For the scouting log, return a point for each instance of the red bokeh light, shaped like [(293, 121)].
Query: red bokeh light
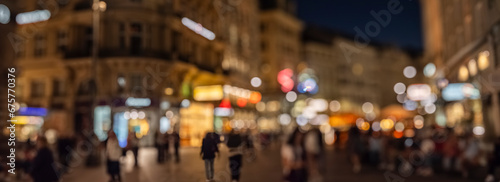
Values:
[(242, 102)]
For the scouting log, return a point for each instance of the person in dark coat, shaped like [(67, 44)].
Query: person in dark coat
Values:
[(177, 143), (209, 149), (43, 169), (235, 145)]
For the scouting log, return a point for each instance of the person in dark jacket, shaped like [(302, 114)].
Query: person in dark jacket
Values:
[(209, 149), (235, 145), (177, 143), (43, 169)]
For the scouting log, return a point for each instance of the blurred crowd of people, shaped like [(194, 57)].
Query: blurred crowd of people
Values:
[(303, 156), (433, 151)]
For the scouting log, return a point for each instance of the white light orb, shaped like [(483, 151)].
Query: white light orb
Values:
[(319, 105), (141, 115), (478, 130), (334, 106), (367, 107), (185, 103), (430, 70), (410, 72), (256, 82), (291, 96), (400, 88), (430, 108), (285, 119)]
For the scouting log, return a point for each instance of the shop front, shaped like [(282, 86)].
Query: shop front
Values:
[(128, 116), (29, 122)]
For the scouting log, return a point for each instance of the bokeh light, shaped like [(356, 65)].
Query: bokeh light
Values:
[(291, 96), (399, 88), (334, 106), (430, 70), (256, 82), (410, 72), (367, 107)]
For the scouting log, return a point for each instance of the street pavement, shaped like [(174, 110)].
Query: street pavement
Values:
[(265, 166)]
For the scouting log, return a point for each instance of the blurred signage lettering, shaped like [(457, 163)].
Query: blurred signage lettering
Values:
[(138, 102), (32, 17), (417, 92), (460, 91), (32, 111), (208, 93)]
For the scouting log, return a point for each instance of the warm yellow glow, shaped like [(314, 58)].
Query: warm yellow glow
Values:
[(169, 91), (261, 106), (20, 120), (463, 73), (483, 60), (365, 126), (386, 124), (208, 93), (195, 121), (472, 67)]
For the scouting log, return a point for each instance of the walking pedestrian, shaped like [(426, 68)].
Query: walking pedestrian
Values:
[(294, 156), (160, 146), (134, 146), (314, 148), (355, 148), (209, 149), (43, 169), (375, 148), (235, 145), (113, 154), (177, 143)]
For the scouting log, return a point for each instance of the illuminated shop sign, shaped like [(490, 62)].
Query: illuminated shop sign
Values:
[(223, 112), (102, 122), (208, 93), (31, 120), (4, 14), (460, 91), (32, 111), (138, 102), (120, 127), (198, 28), (417, 92), (33, 17)]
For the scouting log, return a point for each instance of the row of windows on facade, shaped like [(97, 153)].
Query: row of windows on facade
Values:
[(134, 34), (463, 23), (38, 88)]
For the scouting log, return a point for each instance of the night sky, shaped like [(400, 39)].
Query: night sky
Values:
[(403, 30)]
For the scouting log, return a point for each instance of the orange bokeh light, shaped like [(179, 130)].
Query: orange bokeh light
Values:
[(255, 97), (397, 134), (242, 102)]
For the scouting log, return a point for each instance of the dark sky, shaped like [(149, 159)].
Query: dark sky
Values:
[(404, 28)]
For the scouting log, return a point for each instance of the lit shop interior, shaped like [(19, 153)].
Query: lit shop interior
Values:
[(29, 122), (216, 108), (137, 117)]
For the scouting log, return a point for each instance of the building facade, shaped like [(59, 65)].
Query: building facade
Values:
[(154, 51), (462, 40), (355, 75)]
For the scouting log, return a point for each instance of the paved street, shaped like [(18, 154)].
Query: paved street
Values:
[(265, 168)]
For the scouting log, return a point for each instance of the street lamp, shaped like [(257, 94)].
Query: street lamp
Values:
[(97, 8)]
